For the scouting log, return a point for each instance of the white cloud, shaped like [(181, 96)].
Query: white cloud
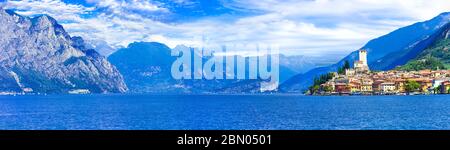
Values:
[(130, 5), (57, 9), (417, 9), (299, 27), (323, 25)]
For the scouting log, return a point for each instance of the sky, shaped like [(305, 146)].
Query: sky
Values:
[(298, 27)]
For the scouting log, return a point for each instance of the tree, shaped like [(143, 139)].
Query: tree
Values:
[(314, 89), (318, 81), (411, 86), (346, 65), (342, 69), (327, 89), (420, 64), (437, 90)]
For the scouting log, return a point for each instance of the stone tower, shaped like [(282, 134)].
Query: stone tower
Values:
[(361, 64), (363, 56)]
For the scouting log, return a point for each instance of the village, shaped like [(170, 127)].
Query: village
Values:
[(360, 80)]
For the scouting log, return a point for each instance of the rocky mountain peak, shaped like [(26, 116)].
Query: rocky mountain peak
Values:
[(42, 56), (44, 21)]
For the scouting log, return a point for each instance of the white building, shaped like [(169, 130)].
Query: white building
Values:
[(387, 87), (361, 64)]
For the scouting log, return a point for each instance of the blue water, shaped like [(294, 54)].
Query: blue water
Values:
[(223, 112)]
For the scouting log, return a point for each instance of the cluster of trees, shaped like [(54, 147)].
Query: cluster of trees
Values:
[(325, 77), (341, 70), (439, 50), (412, 86), (434, 58), (422, 64), (320, 80)]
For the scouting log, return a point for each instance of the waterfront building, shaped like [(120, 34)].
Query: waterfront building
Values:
[(376, 86), (366, 88), (387, 87), (400, 85), (425, 84), (445, 87), (341, 88), (355, 87), (438, 82)]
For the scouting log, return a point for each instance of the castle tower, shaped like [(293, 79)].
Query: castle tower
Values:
[(363, 56), (361, 64)]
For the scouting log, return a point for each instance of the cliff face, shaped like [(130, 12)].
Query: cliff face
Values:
[(38, 53)]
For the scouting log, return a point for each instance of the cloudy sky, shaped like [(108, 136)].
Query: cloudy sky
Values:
[(307, 27)]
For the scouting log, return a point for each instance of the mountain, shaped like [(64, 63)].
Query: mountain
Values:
[(100, 46), (437, 56), (302, 64), (146, 67), (38, 54), (384, 53)]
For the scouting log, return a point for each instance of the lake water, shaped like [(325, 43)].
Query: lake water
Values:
[(224, 112)]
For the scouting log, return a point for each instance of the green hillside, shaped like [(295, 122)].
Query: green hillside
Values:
[(434, 57)]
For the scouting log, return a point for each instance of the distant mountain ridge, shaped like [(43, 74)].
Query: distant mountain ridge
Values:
[(146, 67), (38, 54), (384, 53)]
